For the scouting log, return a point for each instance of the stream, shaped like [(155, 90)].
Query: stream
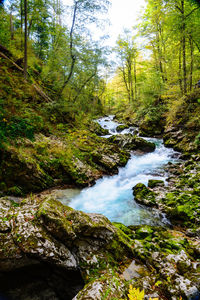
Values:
[(112, 196)]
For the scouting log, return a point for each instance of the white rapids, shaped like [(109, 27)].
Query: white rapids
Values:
[(112, 196)]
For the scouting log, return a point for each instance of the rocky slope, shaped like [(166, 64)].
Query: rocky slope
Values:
[(61, 248), (78, 158)]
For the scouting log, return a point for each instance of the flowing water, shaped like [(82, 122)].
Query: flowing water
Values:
[(113, 197)]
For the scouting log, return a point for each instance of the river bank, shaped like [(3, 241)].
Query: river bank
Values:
[(92, 255)]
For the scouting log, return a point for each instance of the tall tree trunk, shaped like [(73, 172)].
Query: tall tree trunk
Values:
[(21, 23), (130, 79), (159, 54), (126, 81), (180, 69), (59, 13), (25, 38), (191, 60), (184, 47), (135, 78), (72, 55)]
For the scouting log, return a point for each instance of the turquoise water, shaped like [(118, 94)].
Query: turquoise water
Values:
[(112, 195)]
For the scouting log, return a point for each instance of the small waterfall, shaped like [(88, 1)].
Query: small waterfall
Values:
[(111, 126)]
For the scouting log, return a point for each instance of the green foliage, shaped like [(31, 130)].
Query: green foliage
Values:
[(16, 127), (15, 191), (4, 28), (197, 139)]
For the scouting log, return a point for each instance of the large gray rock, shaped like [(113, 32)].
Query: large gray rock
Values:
[(45, 239)]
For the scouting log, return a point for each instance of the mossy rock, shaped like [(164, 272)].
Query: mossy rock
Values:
[(144, 232), (144, 195), (152, 183), (132, 142), (122, 127), (151, 127), (183, 207), (96, 128), (143, 145)]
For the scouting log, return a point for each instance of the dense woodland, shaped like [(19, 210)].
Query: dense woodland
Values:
[(65, 63), (56, 79)]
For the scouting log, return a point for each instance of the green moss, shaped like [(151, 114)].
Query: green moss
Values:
[(122, 127), (144, 232), (152, 183), (143, 194), (183, 206), (55, 217), (125, 229), (122, 244)]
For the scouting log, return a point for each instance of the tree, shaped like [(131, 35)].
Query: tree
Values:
[(172, 30), (84, 13), (25, 38), (127, 53)]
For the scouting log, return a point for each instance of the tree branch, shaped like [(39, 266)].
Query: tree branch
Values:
[(192, 11), (179, 8)]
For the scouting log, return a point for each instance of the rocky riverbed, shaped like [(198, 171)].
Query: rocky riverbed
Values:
[(51, 251)]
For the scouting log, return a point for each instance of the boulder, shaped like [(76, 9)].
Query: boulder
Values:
[(152, 183), (144, 195), (79, 160), (120, 128), (110, 161), (180, 140), (151, 127), (132, 142), (109, 286), (95, 127), (49, 249)]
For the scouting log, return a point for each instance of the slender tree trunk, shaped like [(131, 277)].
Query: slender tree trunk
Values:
[(125, 82), (25, 39), (11, 27), (73, 57), (184, 47), (163, 51), (59, 13), (130, 79), (21, 23), (191, 61), (135, 78), (29, 27), (180, 69), (160, 55)]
